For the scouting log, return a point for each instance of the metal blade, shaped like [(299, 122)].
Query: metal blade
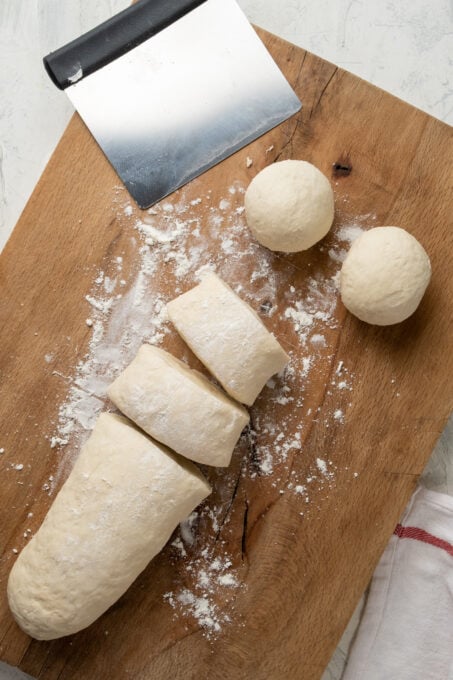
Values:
[(184, 100)]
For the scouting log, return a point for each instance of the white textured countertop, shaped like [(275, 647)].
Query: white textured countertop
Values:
[(403, 46)]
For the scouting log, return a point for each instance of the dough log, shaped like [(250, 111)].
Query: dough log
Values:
[(117, 509), (179, 407), (228, 337)]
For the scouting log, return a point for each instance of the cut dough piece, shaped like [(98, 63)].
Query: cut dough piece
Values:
[(384, 276), (289, 206), (179, 407), (117, 509), (228, 337)]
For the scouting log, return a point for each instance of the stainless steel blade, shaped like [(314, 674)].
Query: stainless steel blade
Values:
[(184, 100)]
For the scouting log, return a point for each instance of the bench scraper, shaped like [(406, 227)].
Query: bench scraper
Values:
[(169, 88)]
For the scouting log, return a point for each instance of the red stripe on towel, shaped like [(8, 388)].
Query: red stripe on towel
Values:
[(423, 536)]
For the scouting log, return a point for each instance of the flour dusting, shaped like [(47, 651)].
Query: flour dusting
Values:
[(126, 306), (212, 576)]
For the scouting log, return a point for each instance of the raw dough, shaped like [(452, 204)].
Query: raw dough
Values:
[(384, 276), (289, 206), (228, 337), (179, 407), (117, 509)]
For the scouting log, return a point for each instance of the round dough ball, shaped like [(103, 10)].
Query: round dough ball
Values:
[(289, 206), (384, 276)]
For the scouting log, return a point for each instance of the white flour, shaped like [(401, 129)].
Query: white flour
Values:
[(212, 575), (123, 311), (322, 466)]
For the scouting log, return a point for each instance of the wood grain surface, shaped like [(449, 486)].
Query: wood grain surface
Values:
[(301, 574)]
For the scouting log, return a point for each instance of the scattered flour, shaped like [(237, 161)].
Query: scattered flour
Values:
[(169, 237), (306, 364), (213, 580), (318, 340), (339, 415), (186, 529), (318, 306), (350, 232), (266, 465), (347, 233), (179, 545), (321, 465), (228, 580), (337, 255), (168, 243), (101, 305)]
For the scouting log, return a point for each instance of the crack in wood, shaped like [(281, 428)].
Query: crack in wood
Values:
[(296, 80), (251, 438), (320, 405), (289, 141), (244, 531), (323, 91), (233, 496)]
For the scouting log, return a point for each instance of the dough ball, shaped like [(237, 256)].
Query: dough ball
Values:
[(289, 206), (384, 276)]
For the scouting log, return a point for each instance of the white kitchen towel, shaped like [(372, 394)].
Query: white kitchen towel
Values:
[(406, 631)]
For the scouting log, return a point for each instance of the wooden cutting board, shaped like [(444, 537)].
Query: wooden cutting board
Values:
[(317, 485)]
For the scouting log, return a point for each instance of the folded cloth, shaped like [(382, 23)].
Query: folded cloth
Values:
[(406, 631)]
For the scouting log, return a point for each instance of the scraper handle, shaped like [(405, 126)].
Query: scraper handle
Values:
[(113, 38)]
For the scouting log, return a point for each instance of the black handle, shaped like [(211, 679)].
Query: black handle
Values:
[(114, 37)]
